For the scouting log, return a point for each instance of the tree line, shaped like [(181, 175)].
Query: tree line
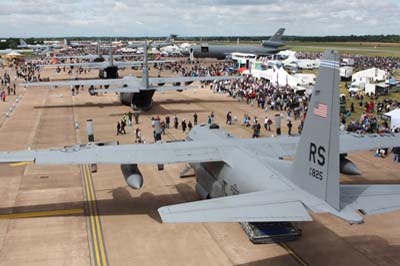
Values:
[(14, 42)]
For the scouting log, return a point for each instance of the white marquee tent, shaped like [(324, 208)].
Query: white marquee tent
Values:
[(394, 118)]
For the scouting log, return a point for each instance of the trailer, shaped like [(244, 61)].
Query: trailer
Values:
[(346, 72)]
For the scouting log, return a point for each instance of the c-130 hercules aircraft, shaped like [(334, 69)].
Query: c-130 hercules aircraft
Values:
[(245, 178), (135, 92)]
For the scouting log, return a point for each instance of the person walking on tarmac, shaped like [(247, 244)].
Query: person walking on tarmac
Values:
[(118, 128), (136, 116), (190, 125), (123, 125), (195, 118), (167, 121), (256, 130), (289, 125), (183, 125), (138, 135), (176, 123)]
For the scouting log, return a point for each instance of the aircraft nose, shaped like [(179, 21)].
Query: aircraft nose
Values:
[(185, 52)]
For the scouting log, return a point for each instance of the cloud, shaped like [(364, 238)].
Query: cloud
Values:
[(45, 18)]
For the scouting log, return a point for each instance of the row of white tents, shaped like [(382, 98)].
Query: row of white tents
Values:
[(279, 77)]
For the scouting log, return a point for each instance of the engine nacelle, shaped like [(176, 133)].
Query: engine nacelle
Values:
[(132, 175), (347, 167)]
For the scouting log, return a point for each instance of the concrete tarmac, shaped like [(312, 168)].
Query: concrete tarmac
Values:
[(131, 227)]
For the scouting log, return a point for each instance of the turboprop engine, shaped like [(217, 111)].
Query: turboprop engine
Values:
[(132, 175)]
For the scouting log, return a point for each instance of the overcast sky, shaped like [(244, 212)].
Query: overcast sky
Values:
[(46, 18)]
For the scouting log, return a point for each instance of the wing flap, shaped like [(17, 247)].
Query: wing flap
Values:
[(371, 199), (190, 79), (250, 207), (87, 82)]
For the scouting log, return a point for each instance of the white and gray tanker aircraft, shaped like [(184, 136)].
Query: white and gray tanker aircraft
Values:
[(157, 45), (167, 42), (135, 92), (245, 178), (37, 47), (267, 47)]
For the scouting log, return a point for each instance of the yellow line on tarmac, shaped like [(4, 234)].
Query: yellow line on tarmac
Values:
[(41, 214), (91, 216), (96, 230), (20, 163), (293, 254)]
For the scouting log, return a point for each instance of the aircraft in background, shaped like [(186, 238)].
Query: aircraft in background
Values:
[(267, 47), (135, 92), (107, 69), (7, 51), (94, 57), (37, 47), (74, 44), (169, 41), (156, 45), (246, 179)]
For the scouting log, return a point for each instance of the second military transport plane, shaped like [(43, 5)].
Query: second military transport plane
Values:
[(244, 177), (135, 92), (267, 47)]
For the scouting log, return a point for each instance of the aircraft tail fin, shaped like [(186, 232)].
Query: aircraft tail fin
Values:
[(22, 42), (145, 77), (170, 38), (316, 167), (277, 37)]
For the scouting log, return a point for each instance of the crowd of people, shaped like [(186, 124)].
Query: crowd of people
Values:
[(361, 62)]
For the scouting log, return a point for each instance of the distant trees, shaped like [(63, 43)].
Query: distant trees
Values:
[(13, 42)]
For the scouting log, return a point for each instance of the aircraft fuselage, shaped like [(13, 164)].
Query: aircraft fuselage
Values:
[(221, 51), (218, 179)]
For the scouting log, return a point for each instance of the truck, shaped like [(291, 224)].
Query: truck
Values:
[(346, 72)]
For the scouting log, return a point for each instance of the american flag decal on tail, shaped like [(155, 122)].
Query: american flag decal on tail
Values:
[(321, 110)]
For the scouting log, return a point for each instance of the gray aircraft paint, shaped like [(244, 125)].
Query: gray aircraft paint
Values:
[(221, 51), (317, 155), (257, 185)]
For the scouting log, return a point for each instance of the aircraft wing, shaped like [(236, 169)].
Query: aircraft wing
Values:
[(82, 65), (158, 153), (132, 89), (138, 63), (85, 82), (264, 206), (190, 79)]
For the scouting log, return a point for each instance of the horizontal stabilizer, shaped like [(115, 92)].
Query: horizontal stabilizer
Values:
[(370, 199), (251, 207)]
